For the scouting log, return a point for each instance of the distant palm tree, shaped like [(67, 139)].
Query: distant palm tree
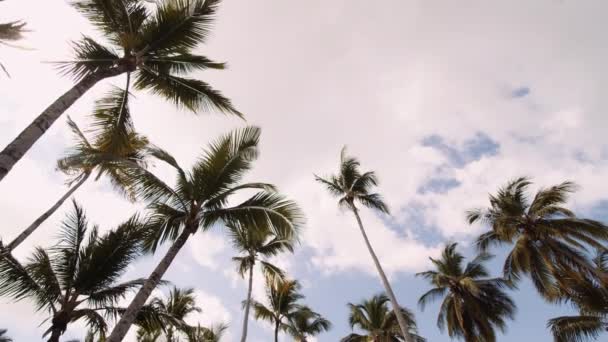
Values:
[(9, 33), (3, 337), (545, 235), (473, 305), (172, 312), (283, 297), (211, 334), (200, 200), (154, 43), (305, 323), (113, 137), (352, 186), (254, 243), (379, 322), (77, 278)]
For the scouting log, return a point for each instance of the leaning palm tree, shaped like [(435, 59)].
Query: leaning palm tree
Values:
[(172, 313), (200, 200), (254, 244), (379, 322), (211, 334), (305, 323), (473, 306), (77, 278), (546, 236), (354, 187), (3, 337), (154, 44), (283, 297), (113, 136)]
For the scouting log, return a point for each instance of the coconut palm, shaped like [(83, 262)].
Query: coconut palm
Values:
[(283, 297), (546, 236), (212, 334), (378, 321), (77, 278), (113, 136), (254, 244), (355, 187), (3, 337), (200, 200), (474, 305), (172, 313), (305, 323), (153, 43), (9, 33)]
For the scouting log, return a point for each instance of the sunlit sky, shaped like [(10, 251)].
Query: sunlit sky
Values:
[(445, 100)]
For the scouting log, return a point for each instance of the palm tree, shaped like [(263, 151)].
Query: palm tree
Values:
[(304, 323), (200, 200), (546, 236), (352, 186), (283, 297), (379, 322), (155, 45), (3, 337), (77, 278), (172, 313), (253, 244), (212, 334), (473, 305), (113, 137), (11, 32)]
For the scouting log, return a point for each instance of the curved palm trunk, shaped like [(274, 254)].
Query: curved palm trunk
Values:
[(276, 331), (17, 148), (29, 230), (122, 327), (247, 304), (387, 286)]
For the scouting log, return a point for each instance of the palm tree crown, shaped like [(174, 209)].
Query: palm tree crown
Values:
[(304, 323), (545, 235), (473, 305), (76, 279), (4, 337), (282, 297), (378, 321)]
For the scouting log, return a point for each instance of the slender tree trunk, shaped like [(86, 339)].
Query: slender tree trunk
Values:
[(247, 305), (276, 332), (17, 148), (122, 327), (29, 230), (55, 334), (389, 291)]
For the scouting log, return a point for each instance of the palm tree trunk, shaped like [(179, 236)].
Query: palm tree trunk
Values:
[(29, 230), (55, 334), (122, 327), (247, 304), (276, 331), (387, 286), (17, 148)]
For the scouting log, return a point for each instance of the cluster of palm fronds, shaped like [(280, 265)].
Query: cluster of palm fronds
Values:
[(153, 45), (10, 33)]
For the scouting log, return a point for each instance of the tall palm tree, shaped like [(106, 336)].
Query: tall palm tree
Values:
[(379, 322), (355, 187), (200, 200), (155, 44), (305, 323), (546, 236), (283, 297), (77, 278), (211, 334), (113, 137), (473, 305), (3, 337), (172, 313), (11, 32), (254, 244)]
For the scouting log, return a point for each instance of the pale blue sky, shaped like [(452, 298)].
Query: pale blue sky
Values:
[(446, 101)]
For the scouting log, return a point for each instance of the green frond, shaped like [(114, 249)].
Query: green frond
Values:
[(374, 201), (90, 57), (181, 63), (577, 328), (12, 31), (431, 295)]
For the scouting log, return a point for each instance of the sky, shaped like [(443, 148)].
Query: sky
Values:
[(446, 101)]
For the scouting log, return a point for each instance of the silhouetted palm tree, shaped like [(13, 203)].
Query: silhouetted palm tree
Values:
[(379, 322), (355, 187), (3, 337), (211, 334), (200, 200), (153, 43), (282, 297), (305, 323), (473, 305)]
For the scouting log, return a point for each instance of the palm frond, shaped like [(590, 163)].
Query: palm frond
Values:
[(91, 57), (577, 328)]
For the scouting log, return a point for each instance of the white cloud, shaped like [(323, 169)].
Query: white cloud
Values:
[(206, 247)]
